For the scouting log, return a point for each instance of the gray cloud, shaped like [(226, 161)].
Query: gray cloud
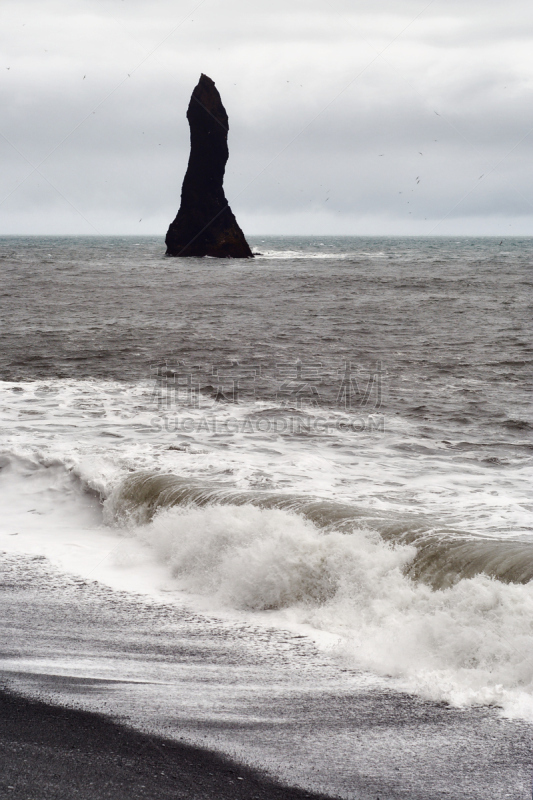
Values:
[(343, 117)]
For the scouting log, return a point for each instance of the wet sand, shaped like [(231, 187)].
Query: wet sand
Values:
[(52, 752)]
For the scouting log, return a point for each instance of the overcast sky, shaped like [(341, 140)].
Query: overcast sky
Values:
[(346, 116)]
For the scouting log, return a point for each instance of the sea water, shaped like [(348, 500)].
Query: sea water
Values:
[(333, 438)]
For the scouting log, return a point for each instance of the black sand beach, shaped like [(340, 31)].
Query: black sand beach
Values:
[(52, 752), (113, 708)]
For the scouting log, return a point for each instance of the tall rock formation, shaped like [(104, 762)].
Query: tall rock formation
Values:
[(205, 224)]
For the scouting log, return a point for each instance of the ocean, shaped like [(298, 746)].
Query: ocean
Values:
[(278, 507)]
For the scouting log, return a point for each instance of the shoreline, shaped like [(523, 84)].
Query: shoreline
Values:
[(93, 663), (55, 752)]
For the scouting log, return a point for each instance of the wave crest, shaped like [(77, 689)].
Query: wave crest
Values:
[(441, 559), (265, 559)]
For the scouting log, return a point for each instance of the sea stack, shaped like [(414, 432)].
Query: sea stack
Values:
[(205, 224)]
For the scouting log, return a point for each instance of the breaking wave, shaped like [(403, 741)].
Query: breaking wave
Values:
[(440, 557), (469, 641)]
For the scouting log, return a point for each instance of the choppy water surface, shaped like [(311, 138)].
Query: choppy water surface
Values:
[(336, 435)]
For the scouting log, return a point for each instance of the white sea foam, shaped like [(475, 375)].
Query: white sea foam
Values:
[(284, 255), (104, 429)]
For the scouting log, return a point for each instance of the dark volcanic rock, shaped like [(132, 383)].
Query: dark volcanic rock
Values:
[(205, 225)]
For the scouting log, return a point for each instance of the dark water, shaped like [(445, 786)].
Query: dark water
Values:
[(145, 444), (450, 319)]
